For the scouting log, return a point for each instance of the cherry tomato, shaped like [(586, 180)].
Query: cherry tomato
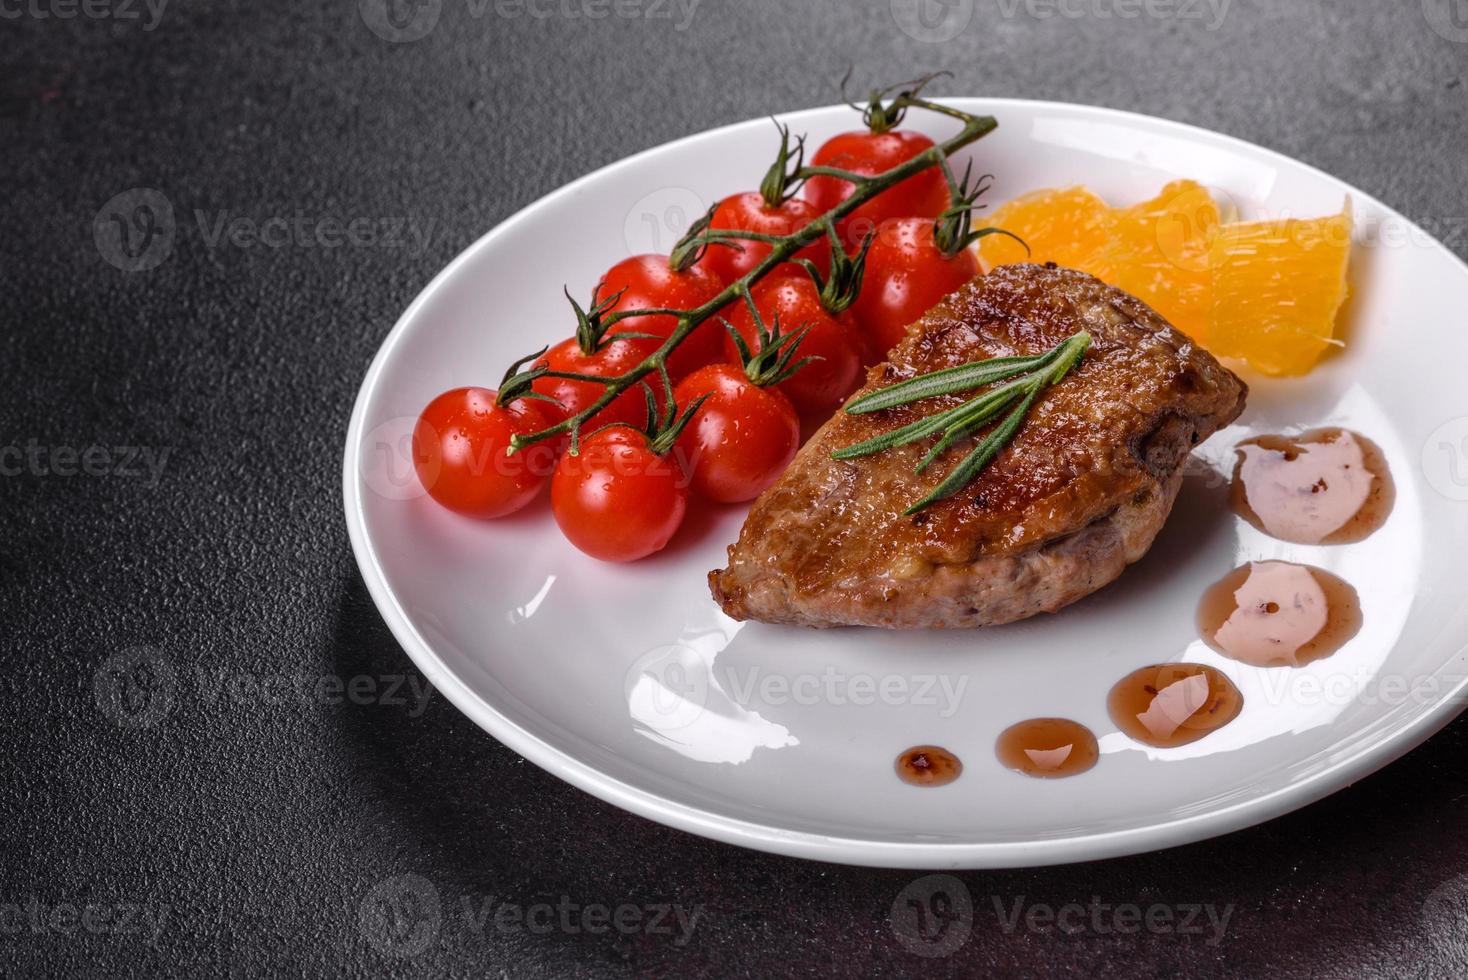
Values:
[(924, 194), (459, 452), (906, 274), (749, 212), (819, 386), (649, 283), (618, 500), (742, 437), (614, 356)]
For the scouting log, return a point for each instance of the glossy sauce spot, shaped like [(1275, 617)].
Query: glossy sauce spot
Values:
[(1279, 614), (1173, 704), (1048, 748), (928, 765), (1327, 486)]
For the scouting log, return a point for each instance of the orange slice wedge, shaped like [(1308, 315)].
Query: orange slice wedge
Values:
[(1161, 255), (1277, 288), (1071, 227), (1268, 292)]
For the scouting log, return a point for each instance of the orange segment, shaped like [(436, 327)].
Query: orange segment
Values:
[(1277, 287), (1071, 227), (1156, 250), (1265, 291), (1161, 254)]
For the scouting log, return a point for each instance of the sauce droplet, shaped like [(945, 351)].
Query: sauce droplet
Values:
[(1279, 614), (1326, 486), (928, 765), (1048, 748), (1173, 704)]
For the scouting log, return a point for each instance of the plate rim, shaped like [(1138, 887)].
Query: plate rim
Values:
[(805, 844)]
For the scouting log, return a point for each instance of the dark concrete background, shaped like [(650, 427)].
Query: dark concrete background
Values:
[(154, 756)]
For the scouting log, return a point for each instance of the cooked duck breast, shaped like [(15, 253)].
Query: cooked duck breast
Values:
[(1078, 494)]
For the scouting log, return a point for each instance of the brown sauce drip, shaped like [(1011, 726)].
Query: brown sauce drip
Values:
[(1279, 614), (1325, 486), (1048, 748), (928, 765), (1173, 704)]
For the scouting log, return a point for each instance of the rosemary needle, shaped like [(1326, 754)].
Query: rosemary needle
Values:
[(964, 377), (1035, 375)]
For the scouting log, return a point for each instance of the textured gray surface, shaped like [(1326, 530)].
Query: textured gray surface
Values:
[(263, 820)]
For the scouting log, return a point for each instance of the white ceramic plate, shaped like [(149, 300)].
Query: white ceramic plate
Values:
[(628, 682)]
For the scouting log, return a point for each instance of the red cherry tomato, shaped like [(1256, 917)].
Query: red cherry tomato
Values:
[(742, 437), (749, 212), (819, 386), (924, 194), (650, 283), (459, 453), (906, 274), (617, 500), (614, 356)]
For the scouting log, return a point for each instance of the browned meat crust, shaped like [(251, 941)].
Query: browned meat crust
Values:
[(1078, 495)]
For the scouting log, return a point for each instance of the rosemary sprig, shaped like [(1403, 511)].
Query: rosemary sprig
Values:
[(783, 248), (1035, 375), (947, 381)]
